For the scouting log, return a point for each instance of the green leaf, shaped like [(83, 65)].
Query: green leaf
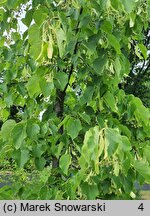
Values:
[(43, 192), (9, 99), (4, 114), (92, 148), (1, 19), (59, 150), (92, 44), (117, 67), (45, 174), (73, 127), (115, 4), (64, 162), (143, 168), (137, 52), (85, 117), (112, 140), (46, 87), (21, 157), (125, 145), (6, 193), (99, 64), (18, 134), (148, 10), (128, 5), (34, 34), (114, 43), (35, 41), (7, 128), (40, 15), (110, 101), (91, 191), (12, 4), (87, 95), (124, 130), (28, 18), (36, 50), (40, 163), (91, 140), (143, 50), (61, 38), (146, 153), (33, 129), (61, 80), (107, 26), (141, 113), (38, 149), (33, 86), (132, 19), (2, 2), (48, 112)]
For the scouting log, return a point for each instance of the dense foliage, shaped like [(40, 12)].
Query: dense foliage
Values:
[(138, 80), (63, 116)]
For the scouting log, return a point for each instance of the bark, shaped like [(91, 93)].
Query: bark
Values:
[(59, 108)]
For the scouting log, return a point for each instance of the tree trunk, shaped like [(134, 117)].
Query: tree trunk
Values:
[(59, 108)]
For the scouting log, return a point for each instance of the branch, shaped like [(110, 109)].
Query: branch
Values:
[(60, 96), (74, 53)]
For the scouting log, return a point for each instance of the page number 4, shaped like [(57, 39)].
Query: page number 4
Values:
[(141, 207)]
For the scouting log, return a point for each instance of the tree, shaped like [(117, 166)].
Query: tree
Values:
[(59, 79)]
